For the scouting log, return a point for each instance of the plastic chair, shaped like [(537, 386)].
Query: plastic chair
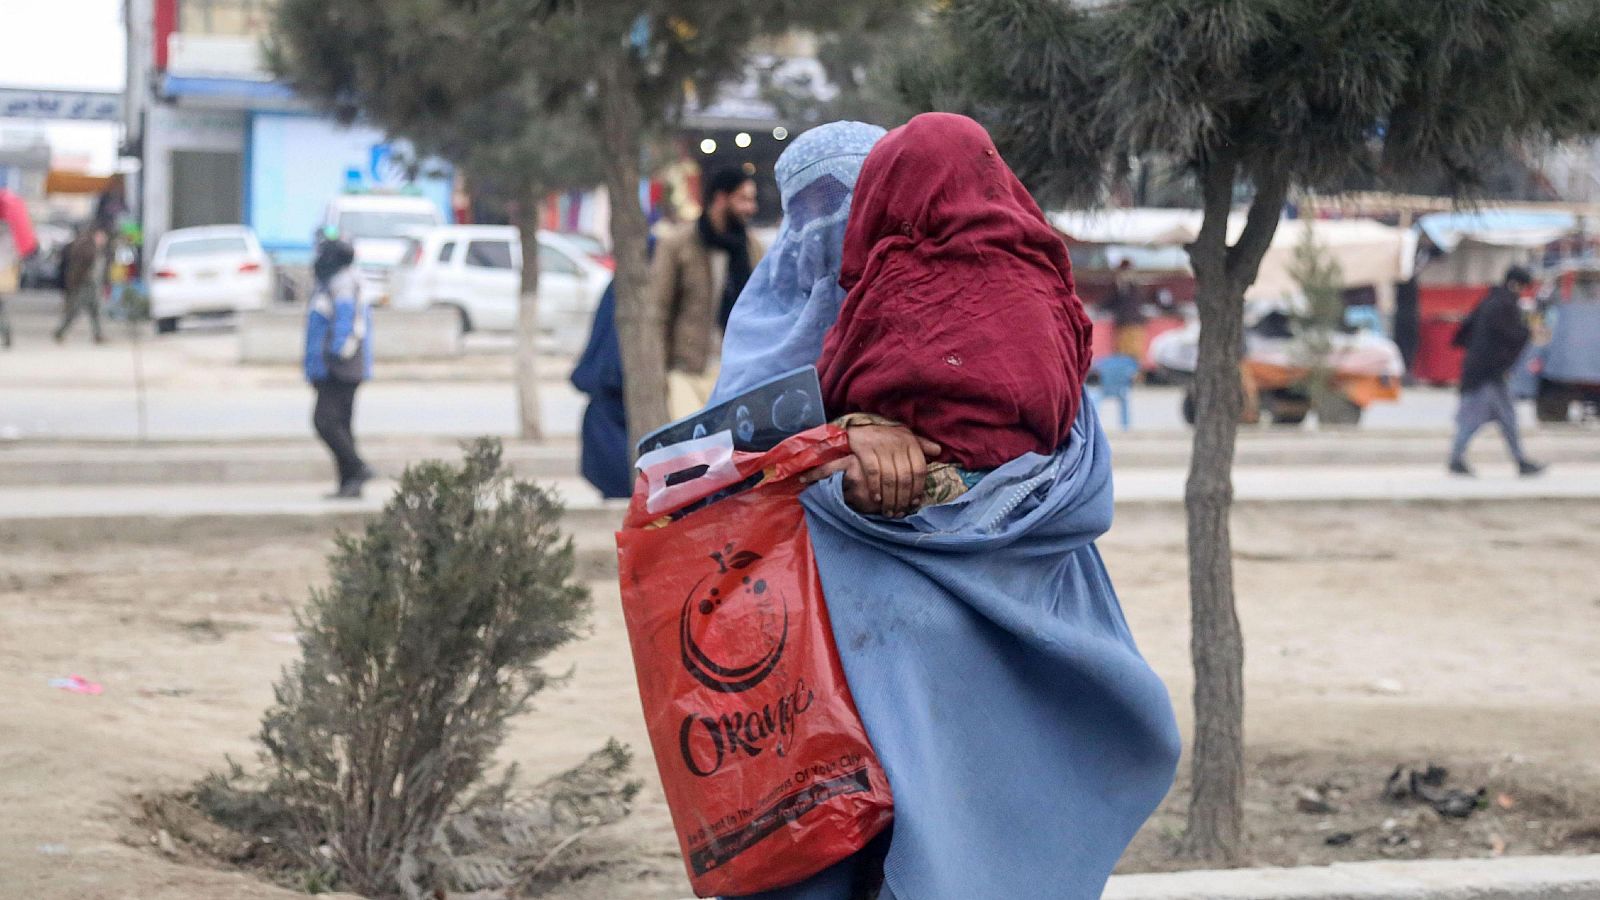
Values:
[(1364, 318), (1117, 374)]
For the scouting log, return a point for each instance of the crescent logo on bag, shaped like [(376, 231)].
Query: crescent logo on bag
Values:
[(728, 678)]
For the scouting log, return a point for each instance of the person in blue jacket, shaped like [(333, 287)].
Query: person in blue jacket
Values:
[(338, 358)]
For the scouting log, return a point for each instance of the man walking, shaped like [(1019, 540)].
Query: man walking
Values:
[(1494, 336), (84, 275), (700, 268)]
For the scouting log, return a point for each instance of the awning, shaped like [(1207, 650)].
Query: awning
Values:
[(59, 182), (1138, 227), (1497, 228), (232, 89), (1368, 252)]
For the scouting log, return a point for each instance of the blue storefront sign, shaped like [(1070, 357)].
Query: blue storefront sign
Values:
[(296, 163)]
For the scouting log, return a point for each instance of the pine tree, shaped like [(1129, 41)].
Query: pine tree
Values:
[(414, 660), (615, 71), (1256, 98), (455, 86)]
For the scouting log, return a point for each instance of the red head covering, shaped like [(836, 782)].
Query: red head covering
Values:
[(962, 321)]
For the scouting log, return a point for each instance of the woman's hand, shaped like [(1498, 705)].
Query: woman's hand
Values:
[(885, 472)]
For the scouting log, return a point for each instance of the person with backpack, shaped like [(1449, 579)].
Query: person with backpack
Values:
[(338, 358)]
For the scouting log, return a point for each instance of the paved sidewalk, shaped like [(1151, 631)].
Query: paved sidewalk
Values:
[(1369, 482), (1512, 878), (1263, 484)]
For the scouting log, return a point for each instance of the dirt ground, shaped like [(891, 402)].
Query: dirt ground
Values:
[(1377, 635)]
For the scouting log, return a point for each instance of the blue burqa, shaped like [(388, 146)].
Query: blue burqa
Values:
[(793, 296), (1025, 738), (604, 458)]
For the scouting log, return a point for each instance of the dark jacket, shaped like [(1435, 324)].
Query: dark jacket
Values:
[(78, 264), (605, 460), (1493, 336)]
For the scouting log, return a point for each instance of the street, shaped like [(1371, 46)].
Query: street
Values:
[(197, 392)]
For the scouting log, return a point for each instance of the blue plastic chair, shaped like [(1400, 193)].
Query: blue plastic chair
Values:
[(1365, 318), (1117, 374)]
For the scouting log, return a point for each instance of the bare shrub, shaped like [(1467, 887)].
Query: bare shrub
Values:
[(427, 642)]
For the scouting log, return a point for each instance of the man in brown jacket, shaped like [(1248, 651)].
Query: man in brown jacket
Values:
[(699, 269), (83, 276)]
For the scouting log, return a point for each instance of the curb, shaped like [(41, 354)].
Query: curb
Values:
[(254, 464), (1512, 878)]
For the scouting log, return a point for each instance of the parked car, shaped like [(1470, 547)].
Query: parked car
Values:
[(380, 228), (1565, 369), (595, 247), (477, 271), (216, 270)]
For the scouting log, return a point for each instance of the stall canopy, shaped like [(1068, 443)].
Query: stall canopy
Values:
[(1478, 247), (1497, 228), (1369, 253)]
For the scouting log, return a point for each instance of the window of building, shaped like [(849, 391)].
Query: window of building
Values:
[(245, 18)]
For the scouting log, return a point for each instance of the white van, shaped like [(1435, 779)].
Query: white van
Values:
[(477, 271), (379, 227)]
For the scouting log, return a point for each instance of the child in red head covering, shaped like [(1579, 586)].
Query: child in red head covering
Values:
[(962, 323)]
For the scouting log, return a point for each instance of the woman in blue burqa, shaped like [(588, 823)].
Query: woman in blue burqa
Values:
[(1024, 737)]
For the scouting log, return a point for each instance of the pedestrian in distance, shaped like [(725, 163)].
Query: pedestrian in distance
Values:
[(83, 281), (699, 270), (1127, 313), (338, 358), (603, 440), (1493, 336), (10, 280)]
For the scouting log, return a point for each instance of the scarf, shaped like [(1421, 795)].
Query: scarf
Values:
[(793, 297), (962, 321), (737, 245)]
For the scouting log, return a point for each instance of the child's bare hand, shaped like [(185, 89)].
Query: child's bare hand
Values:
[(885, 472)]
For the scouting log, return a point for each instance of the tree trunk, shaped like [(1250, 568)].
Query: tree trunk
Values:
[(525, 216), (640, 326), (1215, 830)]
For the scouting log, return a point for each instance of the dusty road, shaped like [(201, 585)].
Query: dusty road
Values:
[(1375, 631)]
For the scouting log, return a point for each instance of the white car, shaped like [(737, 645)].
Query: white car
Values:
[(380, 227), (477, 271), (209, 271)]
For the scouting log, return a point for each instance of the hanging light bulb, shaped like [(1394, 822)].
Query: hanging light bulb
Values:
[(780, 133), (708, 146), (742, 139)]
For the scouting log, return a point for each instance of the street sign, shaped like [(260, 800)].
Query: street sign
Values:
[(80, 106)]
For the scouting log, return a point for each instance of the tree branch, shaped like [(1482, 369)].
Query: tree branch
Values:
[(1209, 249), (1244, 257)]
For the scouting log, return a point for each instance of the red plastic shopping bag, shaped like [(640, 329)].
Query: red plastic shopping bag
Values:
[(766, 765)]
